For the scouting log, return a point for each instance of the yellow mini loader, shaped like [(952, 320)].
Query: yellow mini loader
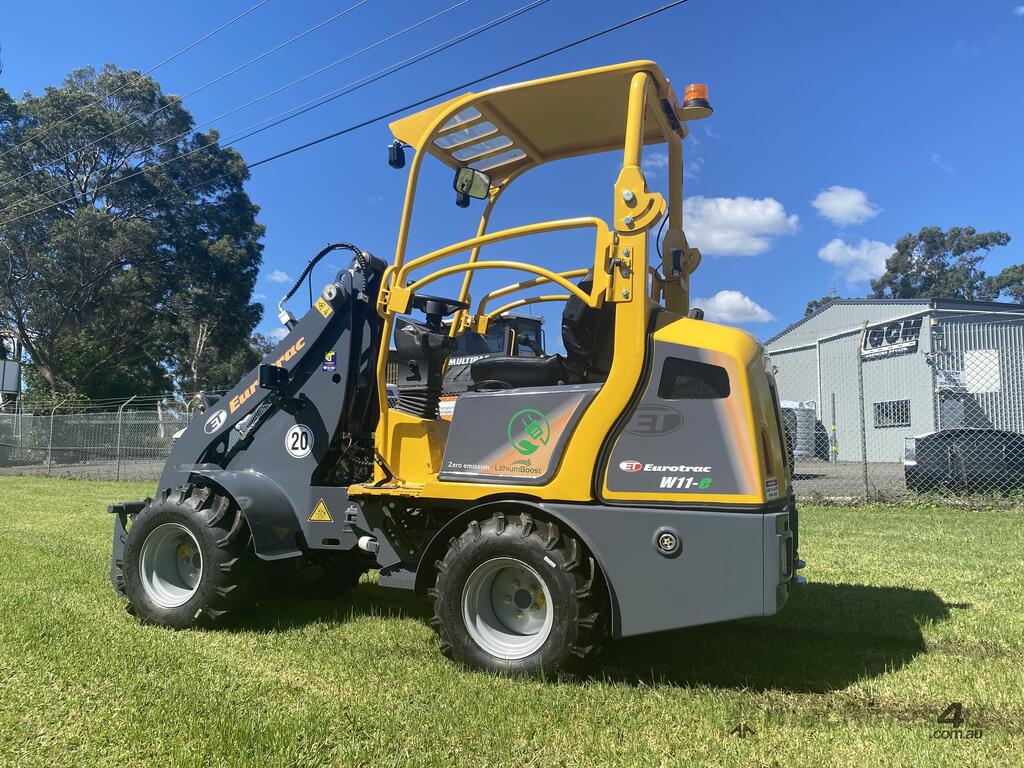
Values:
[(637, 483)]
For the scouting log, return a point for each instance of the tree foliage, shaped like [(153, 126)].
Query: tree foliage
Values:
[(128, 247), (947, 264), (815, 304)]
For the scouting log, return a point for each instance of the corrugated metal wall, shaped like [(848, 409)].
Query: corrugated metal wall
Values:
[(989, 389), (841, 317)]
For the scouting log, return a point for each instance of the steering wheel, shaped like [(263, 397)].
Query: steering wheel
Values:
[(437, 305)]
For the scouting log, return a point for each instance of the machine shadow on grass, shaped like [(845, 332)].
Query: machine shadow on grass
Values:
[(827, 637)]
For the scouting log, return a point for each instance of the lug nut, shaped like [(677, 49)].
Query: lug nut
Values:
[(534, 608), (506, 600), (519, 615)]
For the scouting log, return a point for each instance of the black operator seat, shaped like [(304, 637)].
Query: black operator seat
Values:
[(587, 334)]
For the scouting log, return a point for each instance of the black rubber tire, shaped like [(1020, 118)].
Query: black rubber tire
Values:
[(578, 595), (228, 557)]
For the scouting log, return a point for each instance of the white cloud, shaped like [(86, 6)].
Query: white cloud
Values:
[(938, 163), (844, 205), (277, 276), (1019, 10), (259, 296), (277, 334), (735, 226), (733, 307), (857, 263), (655, 163)]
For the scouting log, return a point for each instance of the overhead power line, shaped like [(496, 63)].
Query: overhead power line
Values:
[(303, 108), (258, 99), (469, 84), (149, 71), (204, 86), (418, 103)]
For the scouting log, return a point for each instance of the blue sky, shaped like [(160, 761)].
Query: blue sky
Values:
[(838, 126)]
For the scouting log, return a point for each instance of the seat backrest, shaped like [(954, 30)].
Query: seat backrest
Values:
[(587, 334)]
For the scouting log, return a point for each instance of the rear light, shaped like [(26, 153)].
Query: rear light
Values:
[(910, 450)]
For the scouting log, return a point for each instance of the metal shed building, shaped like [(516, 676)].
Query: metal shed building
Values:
[(878, 371)]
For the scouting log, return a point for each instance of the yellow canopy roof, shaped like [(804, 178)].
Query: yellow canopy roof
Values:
[(503, 130)]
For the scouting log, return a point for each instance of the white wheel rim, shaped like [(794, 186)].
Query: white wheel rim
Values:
[(171, 565), (506, 606)]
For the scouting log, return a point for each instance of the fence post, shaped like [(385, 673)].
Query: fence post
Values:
[(19, 412), (860, 397), (49, 444), (120, 411)]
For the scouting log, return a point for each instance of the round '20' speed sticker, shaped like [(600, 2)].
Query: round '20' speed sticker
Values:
[(299, 441)]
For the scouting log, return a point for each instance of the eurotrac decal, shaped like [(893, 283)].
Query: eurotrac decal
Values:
[(678, 447), (898, 337), (240, 399), (518, 437), (682, 477)]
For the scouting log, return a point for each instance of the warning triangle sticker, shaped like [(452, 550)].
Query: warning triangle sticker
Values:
[(321, 514)]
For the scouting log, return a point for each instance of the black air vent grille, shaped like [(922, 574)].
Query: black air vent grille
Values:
[(691, 380)]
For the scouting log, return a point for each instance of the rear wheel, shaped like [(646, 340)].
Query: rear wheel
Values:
[(188, 559), (516, 596)]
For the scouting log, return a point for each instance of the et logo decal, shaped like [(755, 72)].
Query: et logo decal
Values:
[(528, 430), (215, 422), (654, 420), (630, 466)]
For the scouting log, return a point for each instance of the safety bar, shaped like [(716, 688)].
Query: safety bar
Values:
[(522, 286), (554, 277), (398, 294), (522, 303)]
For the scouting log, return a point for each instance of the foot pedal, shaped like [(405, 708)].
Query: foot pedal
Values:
[(799, 581), (799, 564)]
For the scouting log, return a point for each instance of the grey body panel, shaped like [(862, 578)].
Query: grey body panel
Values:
[(488, 441), (674, 445), (732, 564)]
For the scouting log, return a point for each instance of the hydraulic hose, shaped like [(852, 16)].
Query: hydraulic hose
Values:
[(360, 257)]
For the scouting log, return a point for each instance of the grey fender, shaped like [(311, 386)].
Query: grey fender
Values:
[(438, 545), (269, 513)]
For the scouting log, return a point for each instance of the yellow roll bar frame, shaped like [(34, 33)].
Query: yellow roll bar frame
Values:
[(620, 262)]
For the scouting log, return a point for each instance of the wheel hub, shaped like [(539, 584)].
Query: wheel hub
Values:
[(505, 607), (170, 565)]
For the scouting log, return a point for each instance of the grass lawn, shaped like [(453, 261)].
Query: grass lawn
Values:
[(907, 611)]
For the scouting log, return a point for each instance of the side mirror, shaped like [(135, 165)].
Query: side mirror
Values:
[(469, 181), (396, 154)]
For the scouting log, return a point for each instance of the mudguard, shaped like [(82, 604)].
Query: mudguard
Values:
[(269, 513)]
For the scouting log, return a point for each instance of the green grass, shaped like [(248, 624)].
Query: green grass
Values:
[(907, 610)]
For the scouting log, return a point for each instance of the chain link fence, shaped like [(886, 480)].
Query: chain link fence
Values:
[(96, 441), (923, 404)]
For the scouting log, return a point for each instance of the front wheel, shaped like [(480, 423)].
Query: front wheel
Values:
[(188, 559), (516, 596)]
